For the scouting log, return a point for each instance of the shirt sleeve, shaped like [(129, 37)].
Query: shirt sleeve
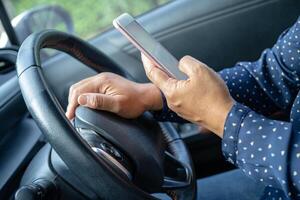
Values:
[(166, 114), (262, 148), (244, 88), (266, 149)]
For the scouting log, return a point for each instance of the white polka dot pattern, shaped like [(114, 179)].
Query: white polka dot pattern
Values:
[(265, 149)]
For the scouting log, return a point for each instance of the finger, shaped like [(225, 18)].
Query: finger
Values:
[(99, 101), (70, 113), (147, 61), (79, 88), (157, 76), (72, 104), (190, 66)]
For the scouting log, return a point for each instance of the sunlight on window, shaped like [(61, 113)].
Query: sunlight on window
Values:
[(83, 18), (4, 41)]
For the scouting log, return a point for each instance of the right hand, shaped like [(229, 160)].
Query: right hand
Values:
[(113, 93)]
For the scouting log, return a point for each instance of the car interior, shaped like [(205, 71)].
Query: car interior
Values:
[(99, 155)]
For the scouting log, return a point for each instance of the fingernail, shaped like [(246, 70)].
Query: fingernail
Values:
[(67, 110), (82, 100), (68, 115)]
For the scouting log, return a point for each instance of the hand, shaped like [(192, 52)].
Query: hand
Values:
[(202, 99), (114, 93)]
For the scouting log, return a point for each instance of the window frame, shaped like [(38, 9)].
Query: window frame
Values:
[(7, 26)]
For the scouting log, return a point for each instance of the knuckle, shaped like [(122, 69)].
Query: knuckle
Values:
[(171, 106), (170, 95), (104, 76), (177, 103), (198, 70), (75, 89), (95, 102), (173, 99), (174, 102), (72, 88), (150, 72)]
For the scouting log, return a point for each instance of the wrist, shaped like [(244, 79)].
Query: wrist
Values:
[(151, 97), (223, 116), (216, 118)]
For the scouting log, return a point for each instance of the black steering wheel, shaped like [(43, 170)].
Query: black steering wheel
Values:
[(115, 157)]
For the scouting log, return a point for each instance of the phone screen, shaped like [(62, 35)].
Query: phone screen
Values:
[(153, 49)]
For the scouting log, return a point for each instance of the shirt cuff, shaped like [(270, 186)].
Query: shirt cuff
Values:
[(161, 115), (231, 131), (166, 114)]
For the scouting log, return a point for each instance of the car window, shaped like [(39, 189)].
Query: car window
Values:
[(3, 37), (4, 65), (83, 18)]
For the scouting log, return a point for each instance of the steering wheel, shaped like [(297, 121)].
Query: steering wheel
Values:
[(116, 158)]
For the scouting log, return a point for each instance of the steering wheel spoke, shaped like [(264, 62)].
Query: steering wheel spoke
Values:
[(177, 174)]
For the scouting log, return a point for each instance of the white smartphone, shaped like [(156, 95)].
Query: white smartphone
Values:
[(142, 40)]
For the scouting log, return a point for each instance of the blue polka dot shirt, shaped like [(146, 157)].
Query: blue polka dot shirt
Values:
[(266, 149)]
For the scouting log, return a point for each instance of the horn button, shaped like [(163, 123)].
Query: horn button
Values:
[(107, 151)]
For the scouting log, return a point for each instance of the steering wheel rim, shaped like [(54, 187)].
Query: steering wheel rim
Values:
[(50, 117)]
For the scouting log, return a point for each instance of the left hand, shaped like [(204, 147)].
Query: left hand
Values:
[(202, 99)]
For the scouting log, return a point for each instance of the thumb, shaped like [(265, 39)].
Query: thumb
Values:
[(190, 66), (99, 101), (156, 75)]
